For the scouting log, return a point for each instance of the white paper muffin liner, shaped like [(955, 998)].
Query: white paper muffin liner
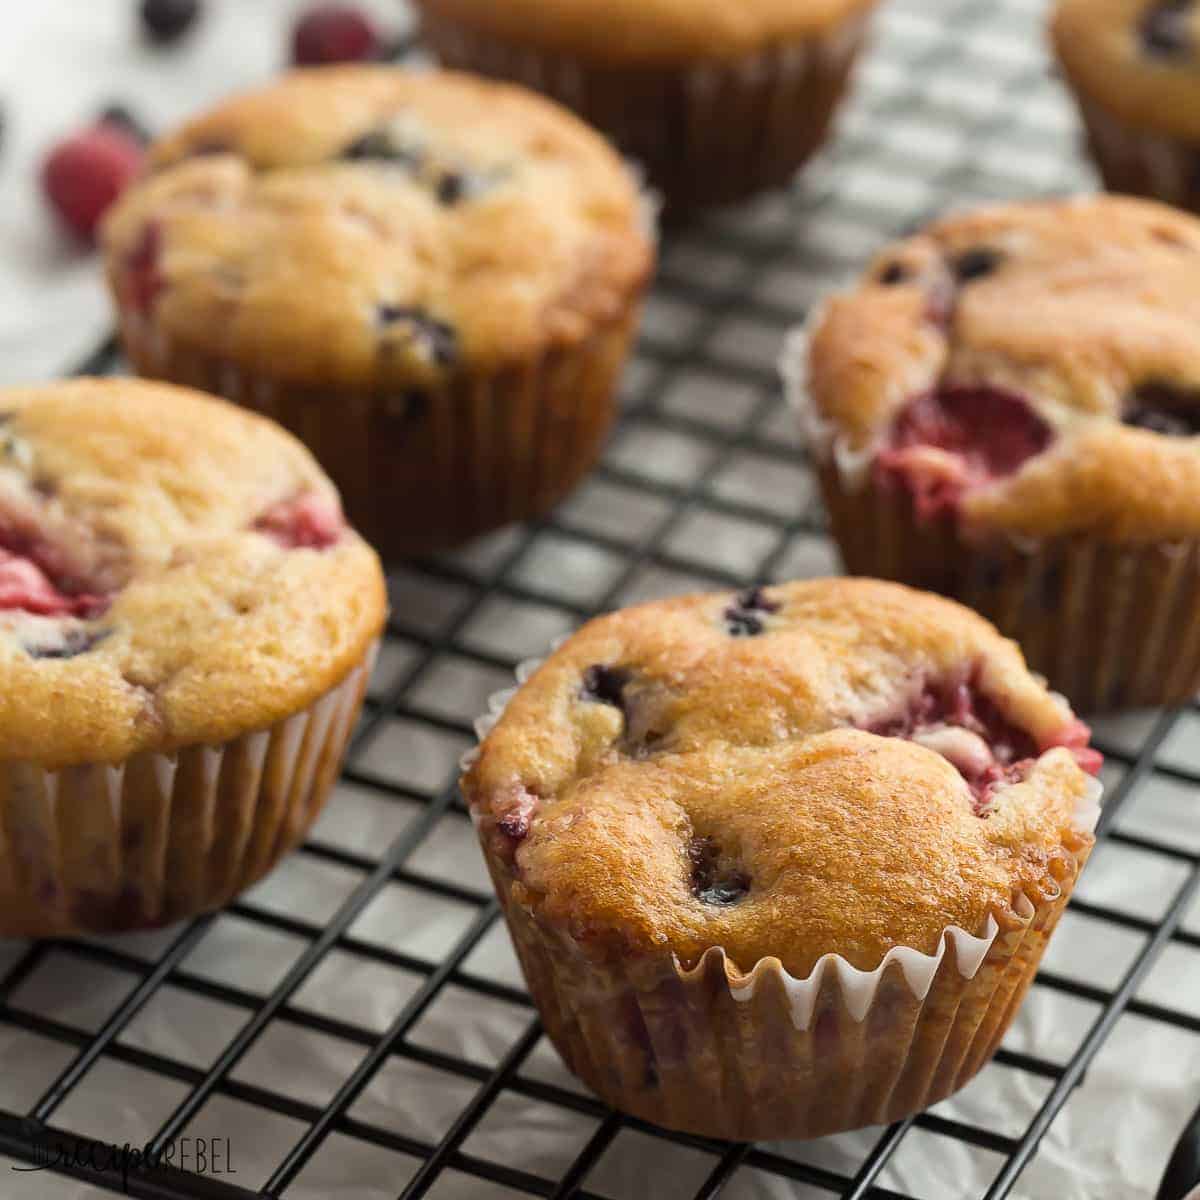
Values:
[(707, 133), (716, 1051), (101, 847)]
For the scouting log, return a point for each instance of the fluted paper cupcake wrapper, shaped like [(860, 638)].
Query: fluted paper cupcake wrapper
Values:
[(1110, 625), (721, 1052), (706, 133), (1138, 161), (426, 469), (107, 847)]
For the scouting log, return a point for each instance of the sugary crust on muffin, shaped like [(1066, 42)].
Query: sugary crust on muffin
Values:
[(206, 627), (1088, 300), (1100, 45), (755, 749), (647, 31), (498, 217)]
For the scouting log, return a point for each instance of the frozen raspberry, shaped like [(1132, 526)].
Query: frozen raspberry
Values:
[(167, 20), (84, 174), (306, 521), (332, 33)]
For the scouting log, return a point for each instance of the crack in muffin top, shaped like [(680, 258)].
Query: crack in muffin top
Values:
[(869, 766), (1035, 367), (173, 571), (360, 225), (646, 32), (1137, 58)]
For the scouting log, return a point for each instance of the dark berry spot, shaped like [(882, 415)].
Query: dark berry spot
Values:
[(1164, 28), (120, 116), (744, 617), (606, 685), (70, 645), (714, 880), (405, 408), (976, 263), (433, 340), (381, 145), (894, 272), (166, 20), (451, 188), (1164, 408), (331, 33)]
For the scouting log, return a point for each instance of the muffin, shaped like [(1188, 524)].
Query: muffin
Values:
[(431, 280), (717, 99), (782, 863), (1132, 65), (1005, 410), (186, 628)]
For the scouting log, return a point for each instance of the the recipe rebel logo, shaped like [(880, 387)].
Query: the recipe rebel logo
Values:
[(115, 1164)]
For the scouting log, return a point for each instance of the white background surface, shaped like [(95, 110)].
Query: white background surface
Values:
[(60, 61)]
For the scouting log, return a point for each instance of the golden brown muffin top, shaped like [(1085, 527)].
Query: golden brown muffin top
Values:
[(1137, 58), (1034, 366), (647, 31), (361, 226), (835, 766), (173, 571)]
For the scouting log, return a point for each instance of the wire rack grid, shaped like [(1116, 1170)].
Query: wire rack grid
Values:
[(372, 968)]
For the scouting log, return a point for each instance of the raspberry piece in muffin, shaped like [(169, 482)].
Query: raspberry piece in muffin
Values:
[(872, 768), (1035, 454), (186, 623), (430, 278)]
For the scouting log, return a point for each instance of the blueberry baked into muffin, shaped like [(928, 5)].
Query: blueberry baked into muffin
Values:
[(1134, 67), (432, 280), (717, 99), (186, 627), (1006, 411), (782, 863)]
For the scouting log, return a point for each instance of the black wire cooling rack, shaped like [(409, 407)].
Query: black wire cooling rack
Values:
[(703, 486)]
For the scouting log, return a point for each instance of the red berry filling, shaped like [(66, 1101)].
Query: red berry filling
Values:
[(143, 276), (946, 442), (28, 586), (964, 725), (306, 521)]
